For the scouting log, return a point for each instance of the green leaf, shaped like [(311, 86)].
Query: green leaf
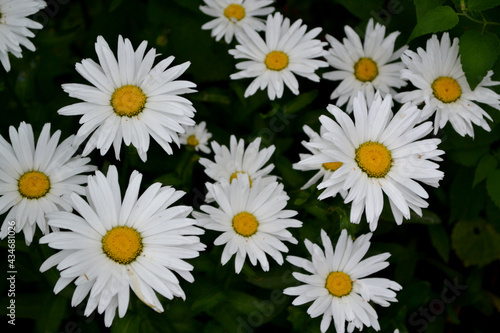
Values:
[(485, 167), (114, 4), (440, 240), (493, 186), (428, 217), (129, 324), (475, 242), (362, 8), (438, 19), (478, 54), (54, 310), (423, 6), (478, 5), (300, 102)]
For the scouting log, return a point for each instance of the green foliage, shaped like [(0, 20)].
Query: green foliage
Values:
[(475, 242), (438, 19)]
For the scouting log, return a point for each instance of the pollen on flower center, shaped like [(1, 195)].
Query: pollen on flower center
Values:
[(128, 101), (374, 159), (365, 70), (235, 176), (332, 166), (122, 244), (234, 11), (33, 185), (446, 89), (338, 284), (245, 224), (192, 141), (276, 60)]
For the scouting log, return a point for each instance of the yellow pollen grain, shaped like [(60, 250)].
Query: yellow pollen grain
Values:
[(192, 141), (234, 11), (446, 89), (245, 224), (128, 101), (276, 60), (33, 185), (365, 70), (235, 176), (338, 284), (332, 166), (374, 159), (122, 244)]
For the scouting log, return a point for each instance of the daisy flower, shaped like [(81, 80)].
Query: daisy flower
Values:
[(231, 15), (437, 74), (115, 245), (368, 67), (196, 137), (338, 286), (324, 170), (252, 220), (238, 160), (130, 100), (37, 179), (286, 50), (379, 154), (14, 27)]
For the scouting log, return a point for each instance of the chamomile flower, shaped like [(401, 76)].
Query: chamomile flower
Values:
[(15, 27), (369, 67), (437, 74), (252, 220), (380, 153), (196, 137), (130, 100), (324, 170), (238, 160), (338, 286), (286, 50), (113, 246), (37, 178), (231, 15)]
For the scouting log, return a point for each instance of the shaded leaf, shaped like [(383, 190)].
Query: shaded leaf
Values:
[(438, 19), (487, 164), (423, 6), (475, 242), (440, 240), (478, 54), (493, 186), (478, 5)]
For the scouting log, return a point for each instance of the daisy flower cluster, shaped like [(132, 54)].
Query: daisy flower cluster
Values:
[(376, 145), (250, 204)]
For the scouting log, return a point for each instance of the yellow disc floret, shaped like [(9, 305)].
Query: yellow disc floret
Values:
[(365, 70), (33, 185), (234, 11), (245, 224), (235, 176), (338, 284), (374, 159), (276, 60), (192, 141), (446, 89), (332, 166), (128, 101), (122, 244)]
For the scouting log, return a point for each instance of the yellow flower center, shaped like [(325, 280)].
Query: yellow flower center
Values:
[(446, 89), (332, 166), (365, 70), (235, 176), (33, 185), (338, 284), (276, 60), (234, 11), (374, 159), (128, 101), (192, 141), (122, 244), (245, 224)]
